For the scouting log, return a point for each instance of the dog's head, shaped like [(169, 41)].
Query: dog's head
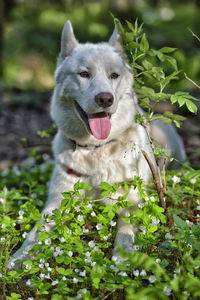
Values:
[(93, 97)]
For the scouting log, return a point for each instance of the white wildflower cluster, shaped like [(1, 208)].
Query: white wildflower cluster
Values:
[(88, 258), (83, 291), (168, 236), (57, 252), (3, 225)]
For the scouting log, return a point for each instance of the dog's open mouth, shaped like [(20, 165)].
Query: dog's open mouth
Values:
[(99, 123)]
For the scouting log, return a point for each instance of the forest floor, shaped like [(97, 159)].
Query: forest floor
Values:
[(23, 119)]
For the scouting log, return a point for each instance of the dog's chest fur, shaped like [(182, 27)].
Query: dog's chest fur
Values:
[(116, 161)]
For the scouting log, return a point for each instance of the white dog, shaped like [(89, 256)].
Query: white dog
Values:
[(94, 107)]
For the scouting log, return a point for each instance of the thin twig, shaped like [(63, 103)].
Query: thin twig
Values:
[(164, 177), (196, 36), (156, 179), (194, 83), (108, 295)]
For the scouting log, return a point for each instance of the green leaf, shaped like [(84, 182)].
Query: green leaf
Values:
[(179, 222), (144, 44), (167, 49)]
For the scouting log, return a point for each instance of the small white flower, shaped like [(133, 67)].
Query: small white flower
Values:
[(88, 254), (152, 198), (143, 273), (70, 253), (69, 231), (75, 280), (42, 261), (91, 244), (155, 222), (168, 236), (39, 242), (54, 282), (47, 276), (158, 260), (123, 273), (29, 283), (28, 267), (105, 237), (21, 212), (64, 278), (93, 214), (77, 208), (112, 223), (80, 218), (12, 264), (76, 270), (30, 298), (89, 205), (2, 239), (24, 235), (176, 179), (85, 230), (136, 247), (66, 211), (62, 239), (136, 272), (93, 263), (2, 200), (198, 207), (84, 291), (96, 248), (47, 241), (146, 199), (79, 296), (3, 225), (114, 268), (1, 275), (49, 269), (88, 260), (41, 266), (193, 180), (140, 205), (99, 226), (167, 291), (114, 258), (152, 278), (82, 274)]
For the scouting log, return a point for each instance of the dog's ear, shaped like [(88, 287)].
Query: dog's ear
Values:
[(115, 40), (68, 41)]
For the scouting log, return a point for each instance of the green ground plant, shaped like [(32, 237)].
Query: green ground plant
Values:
[(75, 260)]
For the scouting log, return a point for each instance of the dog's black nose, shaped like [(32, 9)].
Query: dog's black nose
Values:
[(104, 99)]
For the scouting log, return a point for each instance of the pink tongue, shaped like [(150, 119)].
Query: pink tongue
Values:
[(100, 125)]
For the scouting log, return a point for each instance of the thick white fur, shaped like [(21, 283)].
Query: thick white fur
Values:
[(115, 159)]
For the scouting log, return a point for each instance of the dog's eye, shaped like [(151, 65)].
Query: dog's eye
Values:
[(114, 76), (84, 74)]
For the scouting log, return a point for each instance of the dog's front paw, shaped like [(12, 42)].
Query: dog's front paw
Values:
[(17, 260)]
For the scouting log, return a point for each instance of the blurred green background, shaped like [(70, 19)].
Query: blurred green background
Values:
[(30, 34)]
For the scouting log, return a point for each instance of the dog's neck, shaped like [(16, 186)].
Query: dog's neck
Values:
[(89, 146)]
